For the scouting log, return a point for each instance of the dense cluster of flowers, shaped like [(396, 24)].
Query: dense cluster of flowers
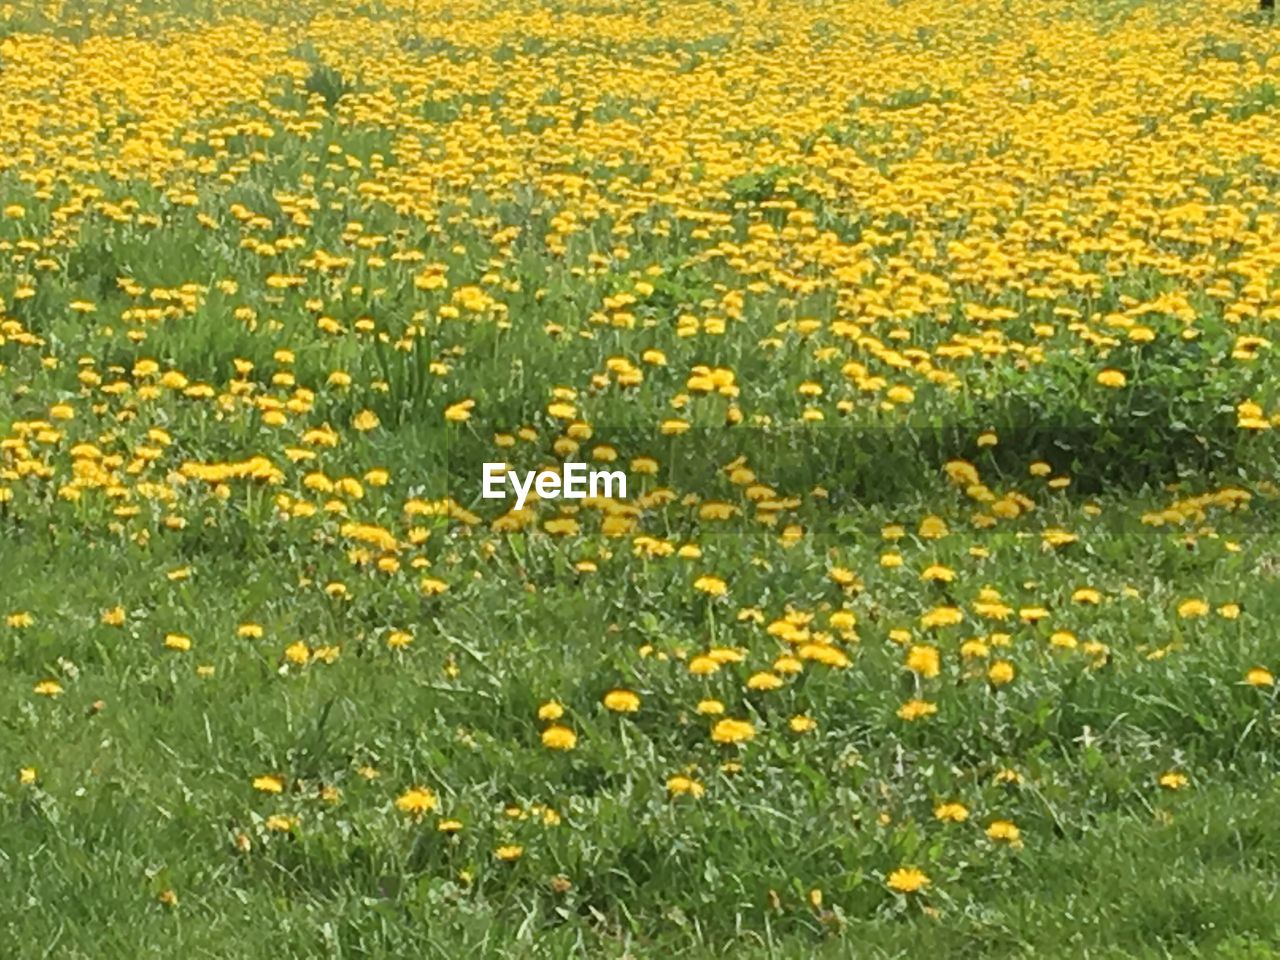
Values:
[(275, 289)]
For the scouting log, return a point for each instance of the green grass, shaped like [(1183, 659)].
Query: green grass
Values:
[(615, 182)]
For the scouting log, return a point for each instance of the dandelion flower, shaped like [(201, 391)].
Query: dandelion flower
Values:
[(416, 801), (764, 681), (269, 783), (1000, 673), (557, 737), (917, 710), (801, 723), (1259, 677), (1004, 831), (951, 812), (679, 785), (621, 701), (907, 880), (733, 731), (712, 586), (177, 641), (923, 660), (1192, 608)]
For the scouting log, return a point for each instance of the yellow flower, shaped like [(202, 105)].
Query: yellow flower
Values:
[(557, 737), (907, 880), (937, 573), (710, 708), (710, 585), (621, 701), (845, 578), (509, 852), (48, 688), (701, 666), (365, 421), (1000, 673), (449, 826), (551, 710), (1112, 378), (764, 681), (733, 731), (268, 783), (27, 775), (1193, 607), (1173, 780), (177, 641), (951, 812), (933, 528), (416, 801), (787, 665), (1259, 677), (916, 710), (801, 723), (114, 617), (1004, 831), (1063, 639), (459, 412), (826, 654), (923, 660), (962, 473), (297, 653), (942, 617), (678, 785), (900, 394)]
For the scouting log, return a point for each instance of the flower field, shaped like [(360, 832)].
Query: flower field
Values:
[(935, 341)]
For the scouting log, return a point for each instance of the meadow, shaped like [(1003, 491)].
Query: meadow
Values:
[(943, 610)]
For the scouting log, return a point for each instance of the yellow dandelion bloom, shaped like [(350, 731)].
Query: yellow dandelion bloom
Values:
[(1260, 677), (416, 801), (907, 880), (557, 737), (680, 785), (917, 710), (733, 731), (621, 701)]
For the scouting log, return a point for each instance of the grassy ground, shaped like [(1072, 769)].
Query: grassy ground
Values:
[(935, 342)]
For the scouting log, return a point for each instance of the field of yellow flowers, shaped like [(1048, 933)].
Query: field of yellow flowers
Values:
[(935, 340)]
